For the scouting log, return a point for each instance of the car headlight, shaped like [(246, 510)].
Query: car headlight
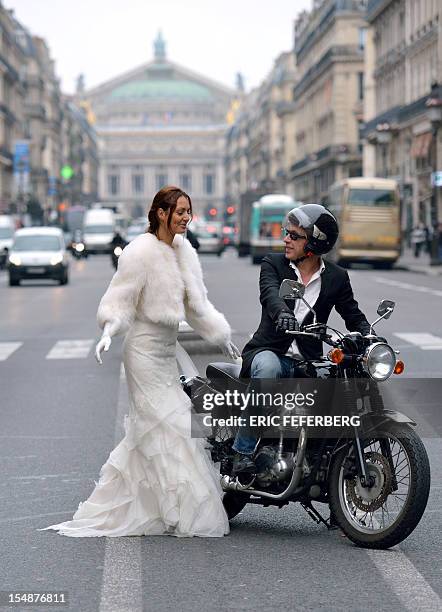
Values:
[(379, 361), (56, 259), (15, 260)]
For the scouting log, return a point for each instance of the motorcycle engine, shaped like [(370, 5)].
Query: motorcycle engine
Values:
[(271, 468)]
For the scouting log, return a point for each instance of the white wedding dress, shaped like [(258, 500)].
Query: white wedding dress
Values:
[(158, 480)]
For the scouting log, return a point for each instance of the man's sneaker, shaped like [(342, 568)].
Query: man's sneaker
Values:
[(243, 463)]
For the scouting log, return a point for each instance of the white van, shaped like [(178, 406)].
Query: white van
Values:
[(7, 229), (38, 252), (98, 230)]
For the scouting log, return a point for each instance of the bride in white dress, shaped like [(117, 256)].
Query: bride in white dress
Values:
[(158, 480)]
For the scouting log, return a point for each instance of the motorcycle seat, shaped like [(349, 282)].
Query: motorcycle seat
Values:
[(228, 371)]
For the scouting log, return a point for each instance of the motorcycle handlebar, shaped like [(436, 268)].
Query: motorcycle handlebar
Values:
[(301, 333)]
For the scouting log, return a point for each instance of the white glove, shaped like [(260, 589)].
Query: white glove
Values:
[(230, 350), (102, 345)]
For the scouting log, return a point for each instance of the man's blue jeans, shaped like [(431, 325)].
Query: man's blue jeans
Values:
[(265, 364)]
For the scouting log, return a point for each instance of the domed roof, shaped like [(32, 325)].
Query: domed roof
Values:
[(161, 89)]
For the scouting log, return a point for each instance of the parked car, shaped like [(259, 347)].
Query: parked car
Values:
[(7, 229), (38, 252), (210, 237)]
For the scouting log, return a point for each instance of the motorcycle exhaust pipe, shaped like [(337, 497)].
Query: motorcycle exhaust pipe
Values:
[(229, 484)]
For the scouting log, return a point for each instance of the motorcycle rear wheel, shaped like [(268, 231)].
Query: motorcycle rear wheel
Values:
[(349, 501)]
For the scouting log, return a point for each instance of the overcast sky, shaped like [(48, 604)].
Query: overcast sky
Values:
[(104, 38)]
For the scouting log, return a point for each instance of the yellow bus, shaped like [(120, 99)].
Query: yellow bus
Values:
[(369, 217)]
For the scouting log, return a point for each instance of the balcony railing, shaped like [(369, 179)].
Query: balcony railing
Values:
[(374, 7), (315, 27), (326, 60), (35, 110), (328, 153)]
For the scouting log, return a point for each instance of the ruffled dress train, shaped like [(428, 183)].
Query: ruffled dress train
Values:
[(158, 480)]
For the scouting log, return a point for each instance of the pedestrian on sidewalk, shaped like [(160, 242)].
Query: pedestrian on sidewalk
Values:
[(418, 238)]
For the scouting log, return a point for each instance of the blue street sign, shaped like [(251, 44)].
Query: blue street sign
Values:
[(21, 166), (21, 157), (52, 186)]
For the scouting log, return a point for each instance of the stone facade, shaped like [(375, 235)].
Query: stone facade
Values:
[(12, 98), (400, 141), (32, 111), (160, 124), (80, 151), (43, 115), (259, 149), (328, 96)]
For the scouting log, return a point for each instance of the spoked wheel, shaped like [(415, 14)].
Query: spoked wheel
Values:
[(386, 513)]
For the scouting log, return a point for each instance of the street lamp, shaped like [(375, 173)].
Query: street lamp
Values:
[(434, 114), (384, 138)]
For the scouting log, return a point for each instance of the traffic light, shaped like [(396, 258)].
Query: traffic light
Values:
[(230, 210), (213, 212)]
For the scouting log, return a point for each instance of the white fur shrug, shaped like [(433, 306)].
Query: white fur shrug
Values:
[(162, 284)]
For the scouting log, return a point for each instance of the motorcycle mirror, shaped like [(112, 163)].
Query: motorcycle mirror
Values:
[(290, 289), (385, 308)]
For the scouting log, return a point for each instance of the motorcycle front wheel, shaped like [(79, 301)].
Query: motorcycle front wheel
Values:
[(383, 515)]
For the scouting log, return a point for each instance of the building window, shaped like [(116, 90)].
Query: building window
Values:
[(360, 85), (160, 181), (209, 183), (113, 181), (362, 35), (137, 183), (186, 182)]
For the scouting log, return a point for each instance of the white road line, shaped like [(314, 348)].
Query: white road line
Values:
[(34, 516), (409, 586), (70, 349), (425, 341), (7, 348), (407, 286), (121, 590)]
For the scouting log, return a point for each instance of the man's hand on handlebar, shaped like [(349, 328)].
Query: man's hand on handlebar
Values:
[(287, 322)]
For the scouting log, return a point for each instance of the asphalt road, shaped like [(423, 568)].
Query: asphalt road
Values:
[(61, 415)]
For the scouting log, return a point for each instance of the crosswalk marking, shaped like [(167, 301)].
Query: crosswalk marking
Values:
[(70, 349), (7, 348), (81, 349), (425, 341), (408, 286)]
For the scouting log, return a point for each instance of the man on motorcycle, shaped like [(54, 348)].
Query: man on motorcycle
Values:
[(310, 232), (117, 241)]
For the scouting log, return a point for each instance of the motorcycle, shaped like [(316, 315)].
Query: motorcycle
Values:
[(77, 246), (375, 476), (115, 254), (78, 250)]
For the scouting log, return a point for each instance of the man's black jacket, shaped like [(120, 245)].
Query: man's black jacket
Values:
[(335, 292)]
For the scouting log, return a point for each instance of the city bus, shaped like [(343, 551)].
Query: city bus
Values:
[(267, 217), (369, 217)]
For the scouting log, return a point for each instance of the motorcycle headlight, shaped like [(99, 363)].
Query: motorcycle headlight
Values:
[(79, 247), (117, 251), (379, 361)]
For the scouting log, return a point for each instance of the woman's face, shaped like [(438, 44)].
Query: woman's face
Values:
[(180, 216)]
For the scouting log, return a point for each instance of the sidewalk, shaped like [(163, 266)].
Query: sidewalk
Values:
[(417, 264)]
